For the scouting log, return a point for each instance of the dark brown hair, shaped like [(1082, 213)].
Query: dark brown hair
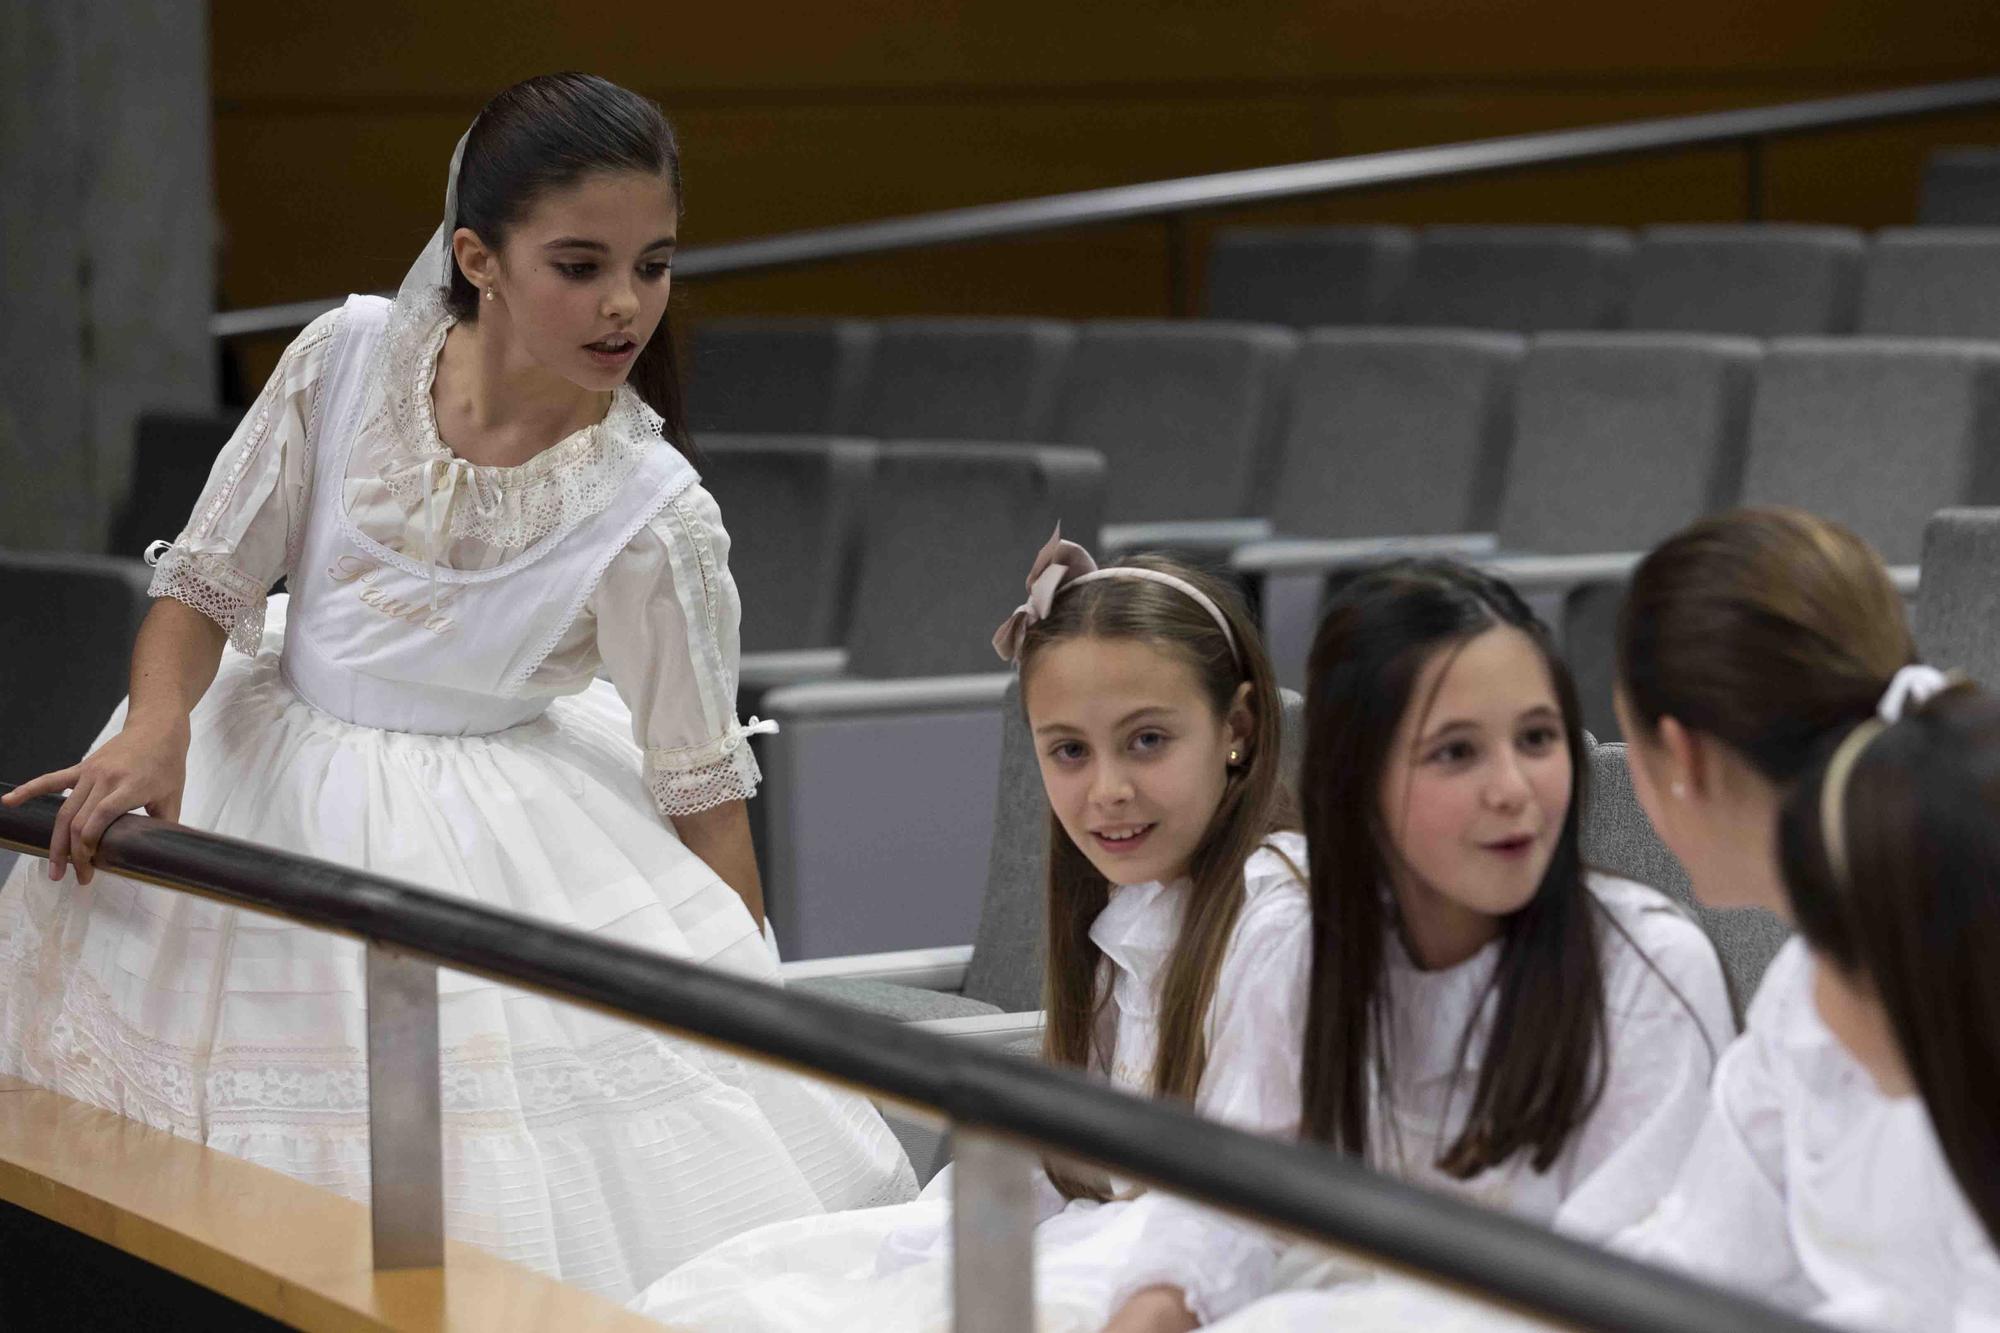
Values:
[(1544, 1065), (1917, 916), (546, 134), (1254, 805), (1765, 628)]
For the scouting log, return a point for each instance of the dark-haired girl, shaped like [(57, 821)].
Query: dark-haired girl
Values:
[(480, 500), (1489, 1017)]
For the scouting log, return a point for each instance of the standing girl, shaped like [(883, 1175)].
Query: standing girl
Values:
[(1488, 1016), (1751, 647), (479, 499), (1178, 945)]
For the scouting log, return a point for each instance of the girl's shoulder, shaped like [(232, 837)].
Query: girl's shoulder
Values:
[(1274, 882), (1656, 957)]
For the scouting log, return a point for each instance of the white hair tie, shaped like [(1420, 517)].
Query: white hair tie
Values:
[(1913, 684)]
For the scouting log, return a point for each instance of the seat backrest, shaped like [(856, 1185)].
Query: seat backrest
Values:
[(962, 379), (1932, 282), (172, 453), (1006, 967), (1765, 280), (1619, 840), (1180, 410), (949, 531), (69, 622), (1876, 433), (1307, 275), (775, 376), (1622, 438), (1958, 607), (1961, 188), (1395, 431), (1522, 279), (793, 505)]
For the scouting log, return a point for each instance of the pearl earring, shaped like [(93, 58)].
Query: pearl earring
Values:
[(1680, 791), (1233, 756), (489, 293)]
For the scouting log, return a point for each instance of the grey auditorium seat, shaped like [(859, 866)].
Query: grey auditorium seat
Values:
[(1876, 433), (793, 504), (1961, 188), (775, 376), (1764, 280), (172, 453), (1523, 279), (1932, 282), (1958, 614), (962, 379), (1305, 276)]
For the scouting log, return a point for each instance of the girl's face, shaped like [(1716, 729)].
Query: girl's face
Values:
[(1132, 754), (1474, 792), (1848, 1007), (582, 279)]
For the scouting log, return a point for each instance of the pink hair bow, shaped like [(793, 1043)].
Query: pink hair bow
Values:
[(1057, 563)]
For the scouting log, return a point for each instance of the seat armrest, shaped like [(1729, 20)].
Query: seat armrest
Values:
[(999, 1030), (1906, 578), (1303, 555), (767, 671), (1551, 573), (926, 969), (1192, 534)]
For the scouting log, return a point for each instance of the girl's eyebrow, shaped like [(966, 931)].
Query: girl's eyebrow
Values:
[(1050, 728), (581, 243)]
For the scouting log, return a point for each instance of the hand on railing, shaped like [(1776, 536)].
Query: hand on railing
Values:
[(143, 766)]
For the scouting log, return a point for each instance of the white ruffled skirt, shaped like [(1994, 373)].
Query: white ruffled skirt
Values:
[(592, 1150)]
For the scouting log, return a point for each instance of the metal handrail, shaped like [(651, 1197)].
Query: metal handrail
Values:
[(1302, 1189), (1260, 185)]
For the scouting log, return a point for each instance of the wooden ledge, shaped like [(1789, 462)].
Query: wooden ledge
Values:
[(287, 1250)]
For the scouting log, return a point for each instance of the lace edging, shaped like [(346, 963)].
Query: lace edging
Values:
[(213, 586), (689, 781)]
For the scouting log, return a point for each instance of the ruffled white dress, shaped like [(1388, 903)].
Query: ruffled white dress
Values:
[(432, 712), (1668, 1021), (888, 1270)]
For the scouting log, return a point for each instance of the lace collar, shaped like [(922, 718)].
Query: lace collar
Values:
[(506, 507)]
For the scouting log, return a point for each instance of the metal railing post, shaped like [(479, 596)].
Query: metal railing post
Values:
[(405, 1142), (992, 1235)]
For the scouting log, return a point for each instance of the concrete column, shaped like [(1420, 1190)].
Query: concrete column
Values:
[(106, 231)]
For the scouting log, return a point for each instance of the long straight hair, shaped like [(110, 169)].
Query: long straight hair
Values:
[(1917, 915), (1255, 804), (545, 134), (1544, 1065)]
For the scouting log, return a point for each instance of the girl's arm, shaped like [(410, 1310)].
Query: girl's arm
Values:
[(145, 764), (721, 837), (1154, 1310)]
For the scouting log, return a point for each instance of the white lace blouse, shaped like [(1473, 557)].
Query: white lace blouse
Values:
[(661, 622)]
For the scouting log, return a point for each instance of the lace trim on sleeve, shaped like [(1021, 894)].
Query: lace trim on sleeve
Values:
[(214, 587), (700, 777)]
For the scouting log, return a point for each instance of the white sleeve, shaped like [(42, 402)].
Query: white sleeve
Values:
[(1255, 1038), (1667, 1023), (244, 532), (1725, 1217), (666, 615)]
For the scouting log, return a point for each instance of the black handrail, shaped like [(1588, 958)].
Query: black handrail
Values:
[(1232, 189), (1304, 1189)]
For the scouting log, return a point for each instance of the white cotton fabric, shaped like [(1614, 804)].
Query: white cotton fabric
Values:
[(592, 1150), (888, 1270), (1668, 1020), (1809, 1187)]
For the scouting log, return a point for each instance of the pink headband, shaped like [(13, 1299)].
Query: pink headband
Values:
[(1059, 565)]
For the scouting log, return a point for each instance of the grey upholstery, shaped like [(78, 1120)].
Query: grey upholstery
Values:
[(1590, 647), (949, 532), (1180, 410), (1933, 282), (69, 622), (794, 508), (905, 1004), (171, 455), (1961, 188), (1876, 433), (1761, 281), (962, 379), (1307, 275), (775, 376), (1958, 608), (1622, 438), (1519, 278), (1619, 839), (1396, 431)]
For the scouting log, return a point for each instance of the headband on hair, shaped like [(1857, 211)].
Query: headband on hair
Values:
[(1915, 685), (1061, 564)]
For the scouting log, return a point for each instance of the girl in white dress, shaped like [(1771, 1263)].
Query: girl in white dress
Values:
[(476, 510), (1750, 646), (1489, 1017), (1178, 945)]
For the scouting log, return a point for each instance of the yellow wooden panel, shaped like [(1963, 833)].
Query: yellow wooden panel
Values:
[(264, 1240)]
